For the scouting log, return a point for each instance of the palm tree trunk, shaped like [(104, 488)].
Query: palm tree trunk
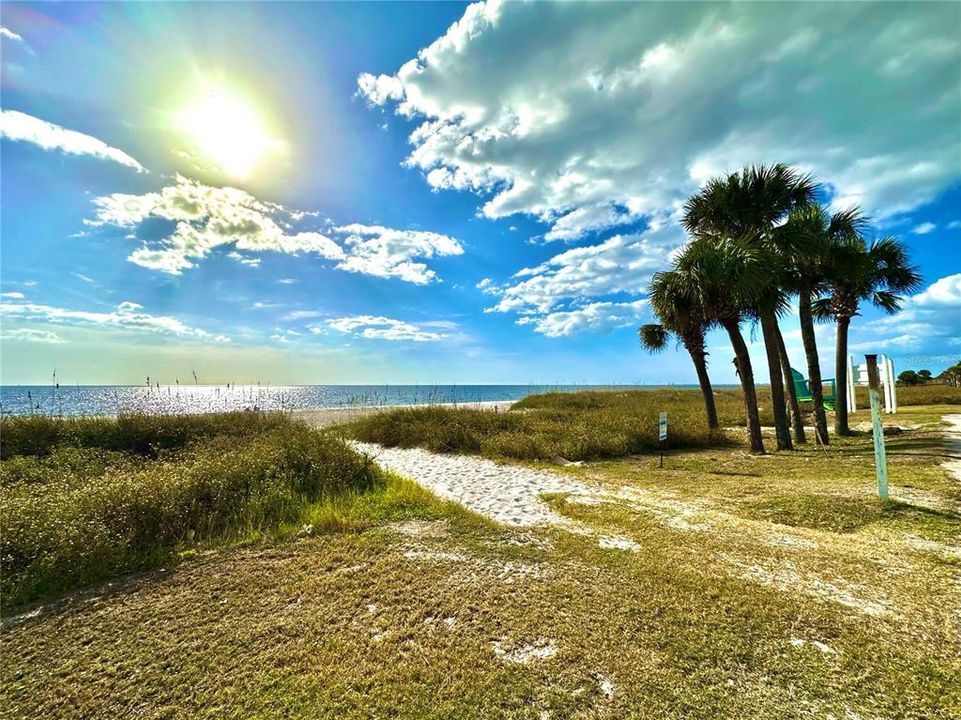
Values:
[(742, 360), (814, 365), (797, 422), (841, 378), (769, 330), (700, 365)]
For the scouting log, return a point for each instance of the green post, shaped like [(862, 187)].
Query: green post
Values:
[(880, 462)]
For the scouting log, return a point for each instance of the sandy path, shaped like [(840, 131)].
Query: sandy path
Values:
[(505, 493)]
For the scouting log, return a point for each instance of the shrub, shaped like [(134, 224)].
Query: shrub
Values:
[(76, 514)]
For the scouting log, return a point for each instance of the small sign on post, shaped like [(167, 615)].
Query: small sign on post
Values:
[(880, 461), (662, 433)]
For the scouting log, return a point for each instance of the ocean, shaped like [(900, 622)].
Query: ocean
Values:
[(114, 399)]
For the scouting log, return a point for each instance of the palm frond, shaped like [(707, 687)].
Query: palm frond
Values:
[(821, 309), (887, 301), (653, 337)]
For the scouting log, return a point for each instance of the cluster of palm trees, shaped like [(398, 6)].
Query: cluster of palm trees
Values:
[(759, 238)]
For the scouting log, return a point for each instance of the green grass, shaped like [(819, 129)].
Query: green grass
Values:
[(931, 394), (89, 499), (845, 514)]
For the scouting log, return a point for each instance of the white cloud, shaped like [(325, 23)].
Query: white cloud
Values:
[(12, 295), (945, 292), (380, 328), (385, 252), (206, 217), (954, 225), (579, 222), (929, 323), (10, 35), (621, 264), (302, 315), (244, 259), (19, 126), (595, 317), (266, 305), (924, 228), (32, 335), (127, 315), (587, 114)]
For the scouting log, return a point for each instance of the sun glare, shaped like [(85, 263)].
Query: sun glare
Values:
[(226, 131)]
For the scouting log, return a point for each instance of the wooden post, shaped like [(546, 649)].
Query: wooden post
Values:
[(880, 461)]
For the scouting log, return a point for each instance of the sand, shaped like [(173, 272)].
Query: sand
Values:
[(506, 493)]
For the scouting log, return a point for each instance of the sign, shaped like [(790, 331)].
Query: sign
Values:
[(662, 427)]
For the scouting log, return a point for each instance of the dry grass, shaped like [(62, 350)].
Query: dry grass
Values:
[(586, 425), (576, 426)]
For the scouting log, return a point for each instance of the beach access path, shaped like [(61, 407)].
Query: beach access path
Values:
[(509, 494)]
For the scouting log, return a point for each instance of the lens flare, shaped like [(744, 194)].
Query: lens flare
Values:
[(226, 131)]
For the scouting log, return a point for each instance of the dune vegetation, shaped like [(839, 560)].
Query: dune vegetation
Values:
[(588, 425), (574, 426), (87, 499)]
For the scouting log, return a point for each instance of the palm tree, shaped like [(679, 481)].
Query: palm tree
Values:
[(858, 272), (750, 206), (811, 236), (797, 422), (725, 277), (682, 316)]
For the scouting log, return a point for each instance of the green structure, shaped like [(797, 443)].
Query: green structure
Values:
[(802, 390)]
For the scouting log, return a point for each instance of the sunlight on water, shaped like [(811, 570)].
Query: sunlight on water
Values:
[(113, 399)]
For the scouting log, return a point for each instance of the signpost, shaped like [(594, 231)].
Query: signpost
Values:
[(662, 433), (880, 461)]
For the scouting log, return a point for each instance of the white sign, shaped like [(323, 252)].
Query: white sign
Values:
[(662, 427)]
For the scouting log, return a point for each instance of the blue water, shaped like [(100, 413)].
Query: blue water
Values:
[(114, 399)]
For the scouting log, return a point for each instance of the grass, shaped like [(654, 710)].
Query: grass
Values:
[(589, 425), (746, 563), (132, 433), (575, 426), (931, 394), (87, 499)]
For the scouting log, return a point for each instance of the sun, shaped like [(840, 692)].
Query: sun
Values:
[(226, 131)]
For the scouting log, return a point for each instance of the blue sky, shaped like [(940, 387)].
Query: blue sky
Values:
[(439, 193)]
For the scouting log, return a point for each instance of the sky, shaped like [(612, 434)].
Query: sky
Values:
[(441, 193)]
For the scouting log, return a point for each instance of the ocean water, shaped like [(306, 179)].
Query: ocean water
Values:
[(114, 399)]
